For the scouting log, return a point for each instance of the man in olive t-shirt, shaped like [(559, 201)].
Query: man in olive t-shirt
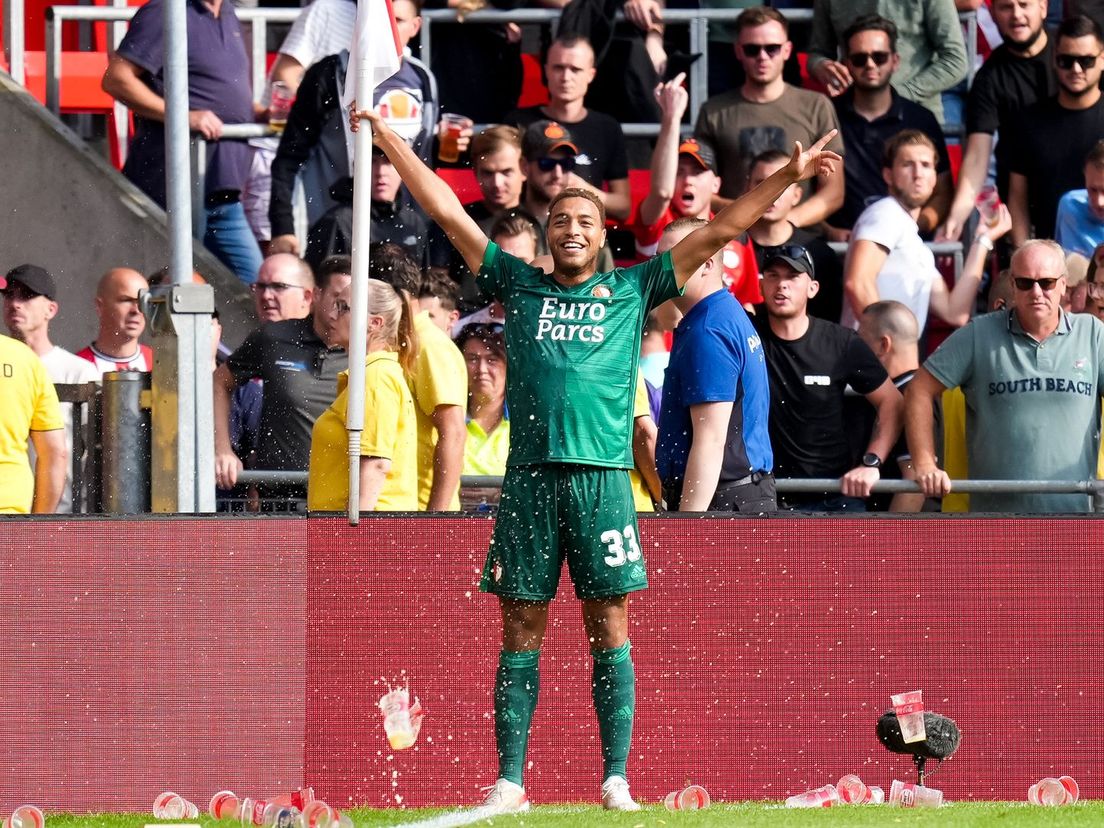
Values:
[(572, 346)]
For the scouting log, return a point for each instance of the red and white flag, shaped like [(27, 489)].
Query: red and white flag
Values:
[(376, 43)]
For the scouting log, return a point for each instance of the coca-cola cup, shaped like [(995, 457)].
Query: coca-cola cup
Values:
[(852, 790), (171, 805), (823, 797), (690, 798), (988, 205), (25, 816), (909, 708), (1051, 792), (224, 805), (911, 795)]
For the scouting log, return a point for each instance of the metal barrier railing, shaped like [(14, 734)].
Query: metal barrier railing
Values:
[(1094, 488), (696, 19)]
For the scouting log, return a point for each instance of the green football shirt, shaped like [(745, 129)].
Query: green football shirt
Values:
[(571, 357)]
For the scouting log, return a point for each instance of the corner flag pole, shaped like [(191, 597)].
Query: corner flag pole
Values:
[(373, 58)]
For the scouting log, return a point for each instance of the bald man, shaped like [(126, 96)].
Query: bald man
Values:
[(893, 334), (116, 346), (284, 288), (1033, 377)]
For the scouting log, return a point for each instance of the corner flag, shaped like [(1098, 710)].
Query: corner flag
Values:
[(376, 42)]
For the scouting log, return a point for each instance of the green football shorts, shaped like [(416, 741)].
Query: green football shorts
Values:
[(554, 511)]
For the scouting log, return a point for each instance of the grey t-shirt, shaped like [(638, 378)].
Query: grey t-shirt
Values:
[(1032, 408)]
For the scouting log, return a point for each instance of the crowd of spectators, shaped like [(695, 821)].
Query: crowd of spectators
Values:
[(784, 356)]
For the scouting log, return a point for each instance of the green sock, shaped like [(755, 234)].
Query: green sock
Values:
[(515, 698), (614, 690)]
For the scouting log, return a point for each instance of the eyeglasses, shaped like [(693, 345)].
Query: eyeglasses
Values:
[(752, 50), (1086, 62), (275, 287), (549, 164), (478, 330), (790, 251), (1025, 284), (860, 59)]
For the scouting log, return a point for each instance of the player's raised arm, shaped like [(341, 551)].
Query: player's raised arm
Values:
[(433, 195), (694, 250)]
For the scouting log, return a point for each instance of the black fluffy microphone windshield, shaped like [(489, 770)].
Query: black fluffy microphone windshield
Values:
[(942, 736)]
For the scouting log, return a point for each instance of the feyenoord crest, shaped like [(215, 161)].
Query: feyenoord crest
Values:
[(601, 292)]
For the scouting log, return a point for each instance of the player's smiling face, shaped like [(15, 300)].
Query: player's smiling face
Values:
[(575, 235)]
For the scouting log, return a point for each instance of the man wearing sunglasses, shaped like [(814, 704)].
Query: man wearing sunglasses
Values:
[(1053, 137), (1032, 377), (1016, 74), (933, 53), (768, 113), (871, 112), (549, 159)]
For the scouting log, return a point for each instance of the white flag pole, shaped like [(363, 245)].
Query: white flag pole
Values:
[(362, 225)]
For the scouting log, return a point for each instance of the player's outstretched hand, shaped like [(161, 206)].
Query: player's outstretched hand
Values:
[(379, 126), (816, 160)]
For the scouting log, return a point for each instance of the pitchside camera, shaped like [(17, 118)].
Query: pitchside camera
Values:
[(942, 739)]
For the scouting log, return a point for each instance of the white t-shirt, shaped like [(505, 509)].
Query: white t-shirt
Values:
[(325, 27), (909, 271), (65, 368)]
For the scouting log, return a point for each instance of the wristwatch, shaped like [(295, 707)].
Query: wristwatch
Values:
[(872, 461)]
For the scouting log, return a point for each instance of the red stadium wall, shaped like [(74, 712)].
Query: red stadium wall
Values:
[(249, 654)]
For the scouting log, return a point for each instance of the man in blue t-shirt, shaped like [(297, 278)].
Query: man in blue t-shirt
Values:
[(1079, 225), (218, 93), (714, 449)]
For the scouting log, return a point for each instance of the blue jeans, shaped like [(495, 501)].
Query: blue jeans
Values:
[(229, 237)]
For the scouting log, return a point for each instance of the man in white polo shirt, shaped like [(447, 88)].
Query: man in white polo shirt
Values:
[(887, 258)]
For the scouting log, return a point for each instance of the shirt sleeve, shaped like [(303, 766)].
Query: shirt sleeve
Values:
[(982, 114), (143, 43), (717, 362), (877, 226), (1065, 225), (245, 362), (864, 372), (640, 400), (657, 280), (495, 276), (442, 376), (383, 407), (47, 411), (951, 362), (946, 65)]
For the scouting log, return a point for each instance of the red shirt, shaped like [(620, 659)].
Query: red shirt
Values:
[(741, 272)]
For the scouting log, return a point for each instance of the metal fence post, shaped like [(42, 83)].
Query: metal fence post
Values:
[(126, 443)]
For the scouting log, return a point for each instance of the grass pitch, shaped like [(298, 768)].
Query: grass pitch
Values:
[(751, 814)]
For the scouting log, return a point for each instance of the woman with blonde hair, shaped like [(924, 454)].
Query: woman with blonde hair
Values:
[(389, 443)]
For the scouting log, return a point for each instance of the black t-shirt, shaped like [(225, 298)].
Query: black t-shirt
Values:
[(300, 382), (1049, 149), (394, 222), (865, 142), (807, 380), (828, 303), (1004, 86), (599, 138)]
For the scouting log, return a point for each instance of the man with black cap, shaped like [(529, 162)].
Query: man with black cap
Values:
[(30, 413), (30, 302), (548, 155), (810, 362), (683, 182)]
